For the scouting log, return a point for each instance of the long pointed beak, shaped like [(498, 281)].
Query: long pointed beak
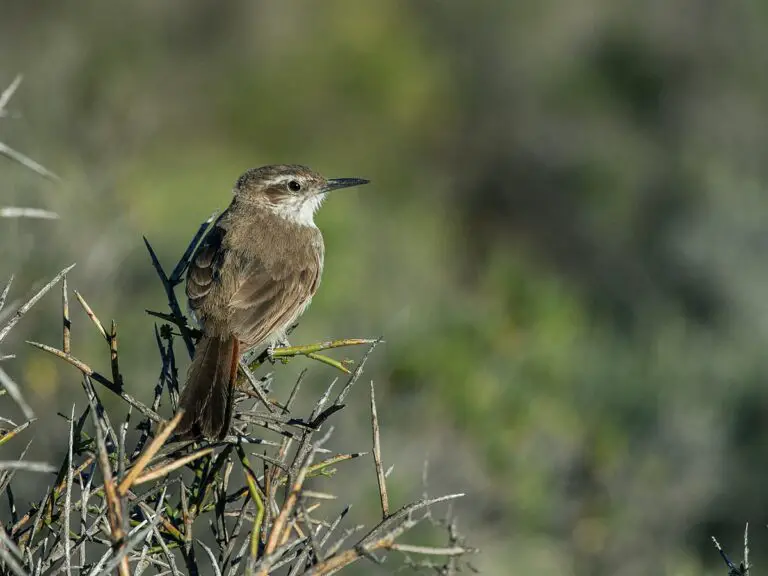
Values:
[(337, 183)]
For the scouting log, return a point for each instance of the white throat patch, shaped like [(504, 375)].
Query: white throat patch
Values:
[(300, 210)]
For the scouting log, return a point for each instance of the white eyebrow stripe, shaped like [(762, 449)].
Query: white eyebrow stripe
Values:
[(286, 179)]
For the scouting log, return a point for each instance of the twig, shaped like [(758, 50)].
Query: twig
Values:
[(382, 536), (255, 386), (113, 358), (14, 392), (32, 301), (276, 532), (104, 381), (114, 505), (155, 473), (149, 453), (377, 457), (310, 351), (67, 323), (181, 267), (258, 499), (173, 303), (137, 535), (357, 373), (10, 554), (101, 414), (68, 496), (747, 566), (208, 551)]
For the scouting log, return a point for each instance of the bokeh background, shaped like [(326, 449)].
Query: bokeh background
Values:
[(565, 242)]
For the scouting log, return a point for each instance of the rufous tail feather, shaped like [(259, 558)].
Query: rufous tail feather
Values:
[(208, 394)]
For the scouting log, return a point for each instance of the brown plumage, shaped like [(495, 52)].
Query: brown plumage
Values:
[(252, 276)]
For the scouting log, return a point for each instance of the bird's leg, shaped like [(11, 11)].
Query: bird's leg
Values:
[(281, 342)]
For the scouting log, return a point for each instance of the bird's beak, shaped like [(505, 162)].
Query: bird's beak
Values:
[(337, 183)]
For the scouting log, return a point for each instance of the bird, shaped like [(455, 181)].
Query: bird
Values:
[(253, 274)]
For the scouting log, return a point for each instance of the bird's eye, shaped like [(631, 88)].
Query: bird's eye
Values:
[(294, 186)]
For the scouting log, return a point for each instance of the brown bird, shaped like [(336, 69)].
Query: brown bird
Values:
[(250, 278)]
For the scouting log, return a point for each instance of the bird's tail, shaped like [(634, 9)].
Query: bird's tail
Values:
[(208, 394)]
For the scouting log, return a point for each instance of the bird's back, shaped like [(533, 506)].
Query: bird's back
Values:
[(254, 274)]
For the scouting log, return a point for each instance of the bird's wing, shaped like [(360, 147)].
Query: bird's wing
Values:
[(268, 298), (205, 265)]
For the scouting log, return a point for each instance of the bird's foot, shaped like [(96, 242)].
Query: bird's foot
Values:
[(280, 343)]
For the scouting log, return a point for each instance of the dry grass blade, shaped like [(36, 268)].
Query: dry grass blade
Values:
[(14, 392), (91, 314), (270, 561), (13, 433), (8, 476), (300, 563), (4, 295), (66, 322), (318, 495), (114, 505), (26, 212), (154, 474), (101, 416), (258, 498), (143, 563), (149, 453), (316, 469), (26, 466), (68, 495), (276, 533), (173, 532), (31, 302), (113, 358), (255, 386), (380, 537), (8, 93), (209, 552), (377, 457), (11, 555), (357, 373), (121, 445), (166, 550), (405, 512), (429, 550), (134, 539), (27, 162)]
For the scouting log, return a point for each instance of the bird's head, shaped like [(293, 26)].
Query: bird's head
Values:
[(291, 191)]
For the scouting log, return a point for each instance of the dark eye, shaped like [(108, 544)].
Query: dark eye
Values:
[(294, 186)]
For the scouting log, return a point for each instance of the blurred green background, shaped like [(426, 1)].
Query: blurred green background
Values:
[(564, 243)]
